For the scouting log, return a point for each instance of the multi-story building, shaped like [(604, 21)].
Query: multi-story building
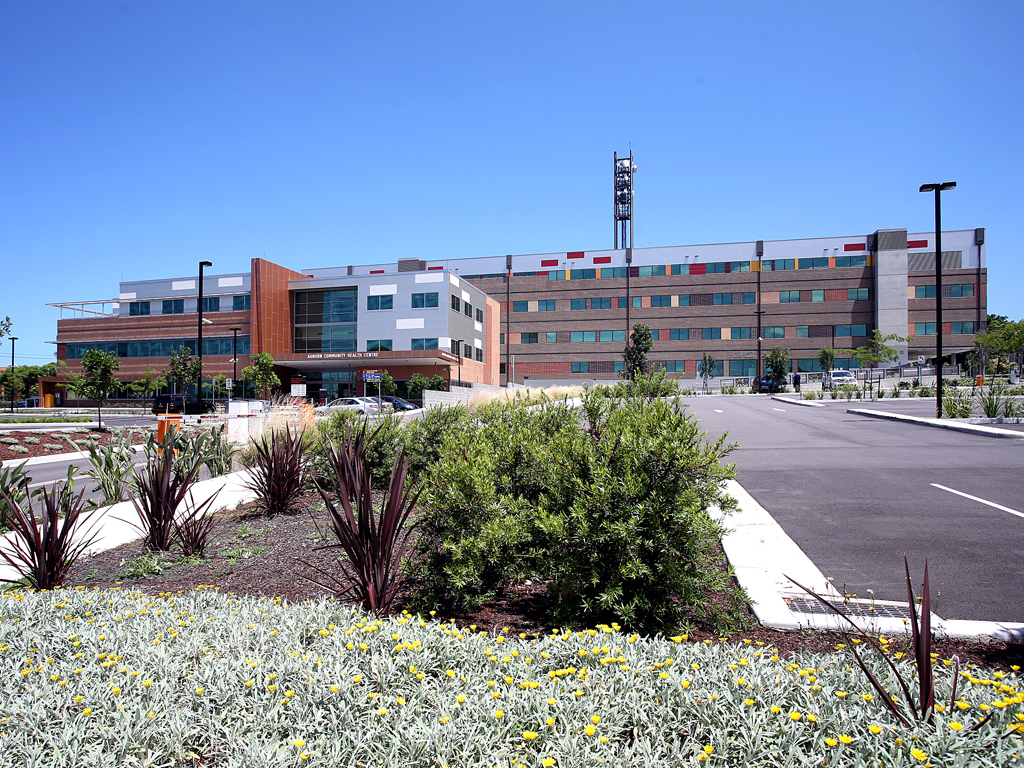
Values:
[(555, 315)]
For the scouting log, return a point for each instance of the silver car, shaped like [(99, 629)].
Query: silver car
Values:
[(364, 405)]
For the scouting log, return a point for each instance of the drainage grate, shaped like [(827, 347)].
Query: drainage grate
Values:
[(805, 605)]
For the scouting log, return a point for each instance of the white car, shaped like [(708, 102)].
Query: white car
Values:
[(364, 405), (836, 378)]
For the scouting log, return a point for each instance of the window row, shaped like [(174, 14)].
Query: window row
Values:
[(694, 300), (159, 347), (333, 306), (239, 303), (466, 308), (955, 291), (704, 334), (466, 350), (957, 328), (419, 301)]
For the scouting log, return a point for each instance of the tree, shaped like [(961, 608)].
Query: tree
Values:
[(5, 327), (220, 389), (151, 382), (437, 383), (706, 367), (387, 383), (261, 373), (97, 379), (634, 356), (876, 351), (416, 385), (183, 368), (1005, 338), (827, 359), (776, 366), (12, 380)]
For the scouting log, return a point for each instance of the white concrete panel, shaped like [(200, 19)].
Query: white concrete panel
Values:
[(228, 282), (430, 277), (183, 285), (479, 344), (408, 323), (127, 296), (390, 289), (466, 296), (478, 327), (454, 280)]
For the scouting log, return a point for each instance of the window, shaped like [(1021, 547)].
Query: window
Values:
[(716, 267), (924, 292), (551, 337), (773, 332), (655, 334), (740, 266), (618, 366), (501, 368), (819, 263), (679, 334), (856, 294), (557, 274), (424, 300), (853, 330), (581, 367), (740, 333), (159, 347), (582, 274), (605, 303), (501, 339), (467, 309), (711, 333), (528, 338), (802, 331), (615, 272), (967, 326), (547, 305), (418, 344), (241, 303), (637, 302), (479, 315), (613, 335), (138, 308), (622, 302), (653, 271), (479, 355), (380, 302), (661, 301), (851, 261), (577, 337), (777, 265), (684, 300), (818, 295), (520, 306), (680, 269), (750, 298), (742, 367), (337, 306), (789, 297), (457, 304), (920, 329), (721, 298), (579, 304), (211, 304), (959, 291), (808, 365), (379, 345), (174, 306), (675, 366)]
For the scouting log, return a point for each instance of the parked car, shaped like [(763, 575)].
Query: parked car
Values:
[(768, 385), (181, 404), (836, 378), (399, 404), (365, 405)]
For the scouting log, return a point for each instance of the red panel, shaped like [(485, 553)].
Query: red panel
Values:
[(602, 259), (947, 329), (542, 273), (549, 262), (691, 365), (379, 271), (429, 268), (698, 269), (575, 255), (917, 244), (855, 247)]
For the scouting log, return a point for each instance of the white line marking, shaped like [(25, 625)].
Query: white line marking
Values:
[(980, 501), (779, 409), (718, 411)]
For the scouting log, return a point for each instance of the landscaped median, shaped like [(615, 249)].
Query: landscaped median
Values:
[(123, 678)]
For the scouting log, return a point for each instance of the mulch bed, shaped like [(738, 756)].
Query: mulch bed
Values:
[(70, 440), (252, 554)]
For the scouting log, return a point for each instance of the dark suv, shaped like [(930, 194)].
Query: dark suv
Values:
[(181, 404)]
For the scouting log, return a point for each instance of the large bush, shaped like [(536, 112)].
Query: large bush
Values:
[(608, 504)]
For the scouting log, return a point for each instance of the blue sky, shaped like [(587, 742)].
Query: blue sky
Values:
[(139, 138)]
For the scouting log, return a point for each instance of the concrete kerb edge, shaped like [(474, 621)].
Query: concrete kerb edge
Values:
[(974, 429), (805, 403), (70, 456)]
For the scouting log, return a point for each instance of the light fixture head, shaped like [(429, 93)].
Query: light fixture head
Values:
[(207, 321)]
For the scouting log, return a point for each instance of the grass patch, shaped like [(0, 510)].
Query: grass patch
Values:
[(48, 420), (141, 566), (241, 553)]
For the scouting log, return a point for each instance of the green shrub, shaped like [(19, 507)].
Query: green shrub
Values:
[(424, 437), (956, 404)]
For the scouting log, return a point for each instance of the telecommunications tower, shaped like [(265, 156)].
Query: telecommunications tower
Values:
[(623, 207)]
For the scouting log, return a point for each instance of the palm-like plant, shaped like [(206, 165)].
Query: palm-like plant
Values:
[(161, 488), (279, 471)]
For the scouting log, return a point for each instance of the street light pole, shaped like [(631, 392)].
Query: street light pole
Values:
[(460, 361), (13, 339), (938, 189), (234, 359), (199, 346)]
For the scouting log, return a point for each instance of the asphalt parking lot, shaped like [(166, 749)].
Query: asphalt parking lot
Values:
[(857, 493)]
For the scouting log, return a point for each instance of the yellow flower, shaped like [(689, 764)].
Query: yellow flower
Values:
[(146, 683), (304, 756), (382, 711), (289, 694), (444, 719), (845, 739), (708, 749), (919, 754), (450, 672), (529, 735), (299, 743), (867, 696), (963, 705), (460, 698), (151, 715), (87, 711), (685, 683), (841, 694), (116, 691), (795, 716), (590, 730), (595, 719), (831, 742), (603, 739), (749, 702), (875, 728), (552, 702), (775, 710), (956, 726), (550, 721), (499, 713), (272, 687), (547, 762)]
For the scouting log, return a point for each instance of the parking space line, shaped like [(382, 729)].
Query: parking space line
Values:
[(779, 409), (981, 501), (718, 411)]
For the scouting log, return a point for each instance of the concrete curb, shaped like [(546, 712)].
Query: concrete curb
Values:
[(765, 560), (956, 426), (54, 458), (805, 403)]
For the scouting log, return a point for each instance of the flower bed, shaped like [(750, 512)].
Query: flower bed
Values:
[(115, 677)]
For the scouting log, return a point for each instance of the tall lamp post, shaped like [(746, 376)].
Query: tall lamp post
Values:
[(199, 346), (938, 189), (13, 339), (460, 361), (234, 359)]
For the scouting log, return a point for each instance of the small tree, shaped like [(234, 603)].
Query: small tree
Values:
[(876, 351), (12, 380), (416, 385), (183, 368), (776, 366), (827, 359), (261, 373), (5, 326), (387, 383), (634, 356), (150, 383), (97, 379), (706, 367), (220, 389), (437, 383)]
